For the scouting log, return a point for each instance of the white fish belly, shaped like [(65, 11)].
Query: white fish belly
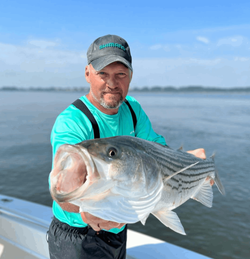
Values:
[(117, 208)]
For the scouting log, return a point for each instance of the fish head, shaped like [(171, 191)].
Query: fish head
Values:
[(125, 162), (94, 168)]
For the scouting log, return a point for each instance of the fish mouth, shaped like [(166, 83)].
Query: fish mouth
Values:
[(74, 171)]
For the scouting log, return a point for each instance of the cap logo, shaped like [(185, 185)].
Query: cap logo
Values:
[(112, 44)]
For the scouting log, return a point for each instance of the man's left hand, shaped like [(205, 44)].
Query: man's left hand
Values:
[(200, 153)]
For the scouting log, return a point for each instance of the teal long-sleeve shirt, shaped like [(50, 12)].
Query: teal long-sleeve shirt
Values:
[(72, 126)]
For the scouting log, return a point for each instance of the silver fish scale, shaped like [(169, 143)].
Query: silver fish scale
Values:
[(172, 161)]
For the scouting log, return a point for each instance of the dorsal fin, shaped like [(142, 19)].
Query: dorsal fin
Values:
[(180, 148)]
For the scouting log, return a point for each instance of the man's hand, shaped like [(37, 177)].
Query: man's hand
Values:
[(98, 224), (200, 152)]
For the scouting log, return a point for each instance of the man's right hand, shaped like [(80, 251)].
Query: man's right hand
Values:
[(98, 224)]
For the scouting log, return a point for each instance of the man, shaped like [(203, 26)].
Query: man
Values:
[(109, 72)]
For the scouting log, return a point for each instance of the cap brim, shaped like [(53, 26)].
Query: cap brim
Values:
[(99, 63)]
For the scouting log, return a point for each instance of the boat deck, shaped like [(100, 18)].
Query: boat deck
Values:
[(23, 227)]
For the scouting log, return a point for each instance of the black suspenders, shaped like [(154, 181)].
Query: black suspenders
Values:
[(82, 107), (132, 113)]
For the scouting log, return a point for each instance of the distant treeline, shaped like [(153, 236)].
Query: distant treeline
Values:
[(198, 89), (44, 89), (170, 89)]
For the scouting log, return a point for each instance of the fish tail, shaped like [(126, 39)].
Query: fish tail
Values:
[(218, 183)]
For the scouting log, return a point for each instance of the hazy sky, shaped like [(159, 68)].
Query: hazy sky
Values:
[(173, 43)]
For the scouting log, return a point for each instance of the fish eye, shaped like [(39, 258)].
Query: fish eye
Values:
[(112, 152)]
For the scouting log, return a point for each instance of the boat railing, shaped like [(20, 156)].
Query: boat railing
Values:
[(24, 217)]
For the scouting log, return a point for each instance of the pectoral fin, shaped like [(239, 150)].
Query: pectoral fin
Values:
[(143, 221), (205, 194), (170, 219)]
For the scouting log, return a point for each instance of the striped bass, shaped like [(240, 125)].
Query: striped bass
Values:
[(124, 179)]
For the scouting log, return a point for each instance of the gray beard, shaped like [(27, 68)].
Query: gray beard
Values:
[(107, 106)]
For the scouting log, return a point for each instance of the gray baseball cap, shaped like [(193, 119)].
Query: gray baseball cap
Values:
[(108, 49)]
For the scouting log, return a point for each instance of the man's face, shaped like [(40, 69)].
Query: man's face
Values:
[(109, 86)]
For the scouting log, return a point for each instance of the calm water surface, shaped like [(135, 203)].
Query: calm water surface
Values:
[(219, 123)]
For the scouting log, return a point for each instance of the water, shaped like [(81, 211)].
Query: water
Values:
[(219, 123)]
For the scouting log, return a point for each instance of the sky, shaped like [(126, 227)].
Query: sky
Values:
[(173, 43)]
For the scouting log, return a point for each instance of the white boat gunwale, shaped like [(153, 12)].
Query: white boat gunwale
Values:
[(24, 224)]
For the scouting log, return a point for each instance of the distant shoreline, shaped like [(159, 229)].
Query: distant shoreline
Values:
[(167, 89)]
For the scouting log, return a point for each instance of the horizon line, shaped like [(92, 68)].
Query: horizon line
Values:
[(189, 88)]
